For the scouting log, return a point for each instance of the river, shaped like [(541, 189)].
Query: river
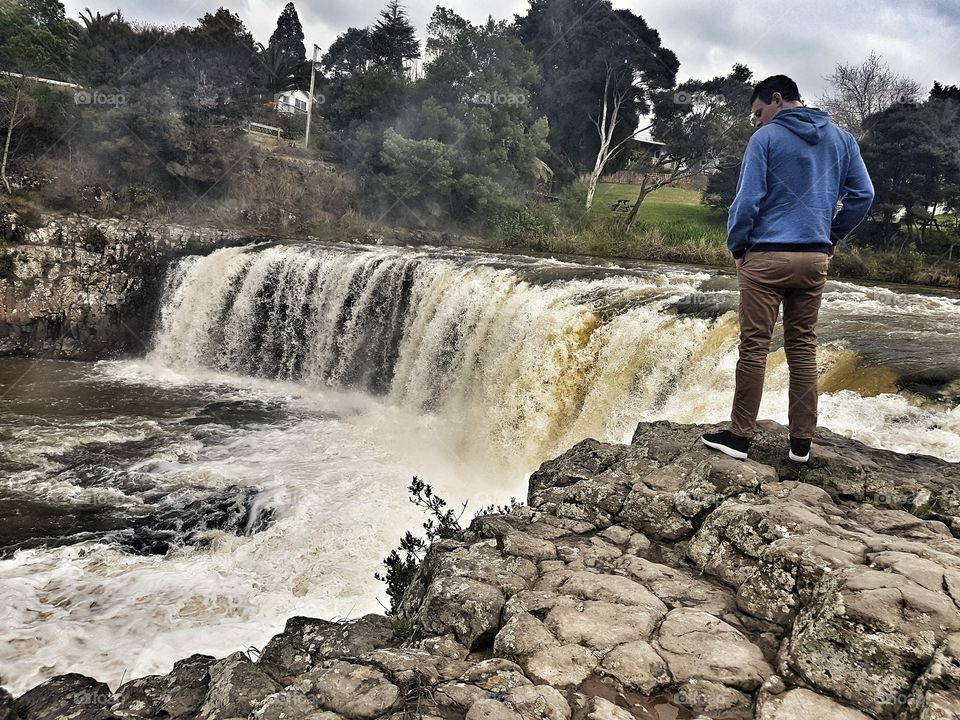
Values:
[(253, 466)]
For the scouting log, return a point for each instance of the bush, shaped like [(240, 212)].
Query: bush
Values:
[(904, 266), (475, 196), (139, 195), (93, 239), (416, 181), (523, 224), (402, 564), (7, 266)]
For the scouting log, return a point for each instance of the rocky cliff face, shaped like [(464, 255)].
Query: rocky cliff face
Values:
[(650, 580), (81, 288)]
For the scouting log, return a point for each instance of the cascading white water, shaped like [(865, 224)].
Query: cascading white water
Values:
[(515, 366)]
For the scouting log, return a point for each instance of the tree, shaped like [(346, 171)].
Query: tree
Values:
[(476, 95), (107, 48), (913, 155), (704, 127), (721, 187), (858, 91), (393, 39), (280, 71), (220, 59), (366, 70), (615, 95), (471, 114), (36, 38), (15, 107), (417, 175), (287, 39), (945, 92), (349, 53), (476, 98), (574, 42)]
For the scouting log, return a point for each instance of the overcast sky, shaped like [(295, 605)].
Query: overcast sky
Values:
[(918, 38)]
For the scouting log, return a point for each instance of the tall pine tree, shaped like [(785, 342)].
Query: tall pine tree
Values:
[(393, 38), (287, 39)]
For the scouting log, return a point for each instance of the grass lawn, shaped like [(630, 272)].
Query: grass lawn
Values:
[(676, 212)]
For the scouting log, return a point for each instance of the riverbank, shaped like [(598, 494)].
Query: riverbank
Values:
[(671, 231), (654, 579), (672, 243)]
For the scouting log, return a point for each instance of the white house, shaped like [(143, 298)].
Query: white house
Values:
[(292, 101)]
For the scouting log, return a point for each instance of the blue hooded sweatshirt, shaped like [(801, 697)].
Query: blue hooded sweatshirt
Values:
[(794, 171)]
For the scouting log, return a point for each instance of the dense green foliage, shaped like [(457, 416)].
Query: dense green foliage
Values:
[(575, 43), (36, 37), (492, 135), (913, 154)]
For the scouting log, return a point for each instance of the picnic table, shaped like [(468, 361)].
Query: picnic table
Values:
[(621, 205)]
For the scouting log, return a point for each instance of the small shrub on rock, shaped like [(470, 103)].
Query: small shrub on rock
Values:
[(7, 266), (443, 523), (140, 195), (93, 239), (402, 563)]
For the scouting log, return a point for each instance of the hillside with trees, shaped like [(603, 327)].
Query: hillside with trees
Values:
[(513, 130)]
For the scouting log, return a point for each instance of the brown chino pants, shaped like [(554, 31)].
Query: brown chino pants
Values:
[(768, 279)]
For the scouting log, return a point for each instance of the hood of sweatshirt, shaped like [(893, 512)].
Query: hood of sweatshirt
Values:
[(808, 123)]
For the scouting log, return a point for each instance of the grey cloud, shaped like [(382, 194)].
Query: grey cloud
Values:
[(806, 40), (803, 39)]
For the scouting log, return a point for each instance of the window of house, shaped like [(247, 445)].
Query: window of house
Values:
[(301, 105)]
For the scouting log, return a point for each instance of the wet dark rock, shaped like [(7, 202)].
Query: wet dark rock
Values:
[(238, 413), (306, 642), (175, 696), (231, 509), (159, 524), (28, 522), (6, 706), (65, 697), (708, 306)]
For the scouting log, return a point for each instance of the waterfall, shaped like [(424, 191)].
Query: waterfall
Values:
[(502, 354), (515, 359)]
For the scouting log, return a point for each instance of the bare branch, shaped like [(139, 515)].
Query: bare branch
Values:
[(859, 91)]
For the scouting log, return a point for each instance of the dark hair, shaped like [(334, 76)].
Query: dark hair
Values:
[(775, 83)]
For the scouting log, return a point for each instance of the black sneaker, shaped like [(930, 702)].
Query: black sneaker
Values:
[(799, 449), (727, 443)]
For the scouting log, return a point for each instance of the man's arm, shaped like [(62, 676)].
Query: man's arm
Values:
[(856, 194), (751, 188)]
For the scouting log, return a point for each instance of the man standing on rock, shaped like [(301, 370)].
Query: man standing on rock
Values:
[(783, 229)]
